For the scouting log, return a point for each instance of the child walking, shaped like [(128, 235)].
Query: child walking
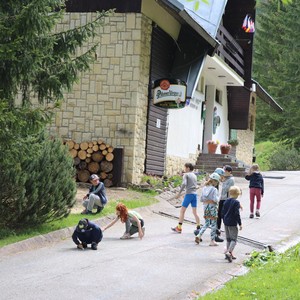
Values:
[(228, 181), (231, 218), (256, 186), (189, 183), (209, 197)]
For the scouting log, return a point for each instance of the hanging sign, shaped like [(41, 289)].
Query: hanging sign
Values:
[(169, 93)]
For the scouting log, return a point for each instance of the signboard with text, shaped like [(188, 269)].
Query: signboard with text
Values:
[(169, 93)]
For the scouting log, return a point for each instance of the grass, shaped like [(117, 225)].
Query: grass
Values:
[(144, 199), (277, 278)]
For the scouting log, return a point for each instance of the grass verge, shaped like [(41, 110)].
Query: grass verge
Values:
[(277, 278), (9, 237)]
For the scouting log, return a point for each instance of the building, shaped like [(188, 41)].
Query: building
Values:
[(199, 42)]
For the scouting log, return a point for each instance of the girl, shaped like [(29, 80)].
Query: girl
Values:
[(209, 197), (133, 222)]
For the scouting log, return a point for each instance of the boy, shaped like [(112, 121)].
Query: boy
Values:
[(228, 181), (96, 198), (231, 218), (189, 182), (86, 233)]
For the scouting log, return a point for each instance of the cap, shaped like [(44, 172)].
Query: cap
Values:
[(83, 224), (228, 168), (219, 171), (215, 176), (94, 176)]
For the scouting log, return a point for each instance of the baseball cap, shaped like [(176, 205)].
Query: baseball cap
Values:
[(94, 176), (219, 171), (228, 168), (215, 176)]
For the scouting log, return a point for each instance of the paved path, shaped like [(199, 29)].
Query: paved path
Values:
[(164, 265)]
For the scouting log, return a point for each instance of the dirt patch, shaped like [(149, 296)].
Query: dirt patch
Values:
[(112, 194)]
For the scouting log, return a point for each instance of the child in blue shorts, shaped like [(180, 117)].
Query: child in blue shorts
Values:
[(189, 183)]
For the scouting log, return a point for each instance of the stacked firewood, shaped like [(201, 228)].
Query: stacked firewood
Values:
[(93, 157)]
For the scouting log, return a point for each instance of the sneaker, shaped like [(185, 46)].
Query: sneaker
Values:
[(218, 240), (99, 209), (176, 229), (94, 246), (86, 212), (196, 232), (251, 216), (84, 245), (125, 236), (213, 243), (228, 257), (257, 214), (198, 239)]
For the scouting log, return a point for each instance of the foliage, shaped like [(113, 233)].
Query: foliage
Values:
[(276, 68), (276, 279), (285, 158), (259, 259), (263, 151), (158, 182), (39, 187), (36, 60), (233, 142)]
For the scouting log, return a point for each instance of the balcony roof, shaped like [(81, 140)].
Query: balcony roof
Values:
[(266, 97)]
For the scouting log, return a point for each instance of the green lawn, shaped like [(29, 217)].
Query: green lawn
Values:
[(276, 279), (6, 238)]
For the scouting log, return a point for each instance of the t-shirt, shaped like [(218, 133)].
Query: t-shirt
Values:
[(131, 214)]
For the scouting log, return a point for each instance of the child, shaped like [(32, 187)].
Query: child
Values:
[(209, 197), (86, 233), (228, 181), (256, 186), (96, 198), (231, 218), (133, 222), (189, 182)]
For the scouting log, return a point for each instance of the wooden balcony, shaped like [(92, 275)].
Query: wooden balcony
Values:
[(230, 51)]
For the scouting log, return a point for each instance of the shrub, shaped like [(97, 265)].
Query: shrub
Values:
[(284, 158), (39, 187)]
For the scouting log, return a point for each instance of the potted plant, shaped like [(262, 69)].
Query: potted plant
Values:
[(212, 146), (233, 142), (225, 148)]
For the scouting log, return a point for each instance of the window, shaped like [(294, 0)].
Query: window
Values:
[(218, 97)]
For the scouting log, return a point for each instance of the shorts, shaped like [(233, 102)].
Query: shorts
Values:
[(189, 199)]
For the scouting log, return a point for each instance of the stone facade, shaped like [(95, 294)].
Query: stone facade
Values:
[(175, 164), (244, 151), (110, 101)]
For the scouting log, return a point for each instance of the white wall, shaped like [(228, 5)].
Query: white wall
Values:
[(185, 128)]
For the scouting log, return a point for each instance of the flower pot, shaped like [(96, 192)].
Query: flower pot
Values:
[(212, 148), (225, 150)]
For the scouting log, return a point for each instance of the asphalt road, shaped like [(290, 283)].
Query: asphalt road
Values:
[(164, 265)]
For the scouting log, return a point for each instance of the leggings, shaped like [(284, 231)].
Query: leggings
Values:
[(255, 192), (213, 226)]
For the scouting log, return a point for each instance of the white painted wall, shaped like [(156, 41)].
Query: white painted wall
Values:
[(185, 128)]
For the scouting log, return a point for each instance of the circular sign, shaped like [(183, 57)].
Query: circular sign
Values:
[(164, 84)]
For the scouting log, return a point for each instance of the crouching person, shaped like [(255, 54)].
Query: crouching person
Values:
[(87, 233), (96, 198), (134, 222)]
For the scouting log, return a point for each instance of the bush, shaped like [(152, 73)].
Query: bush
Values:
[(284, 158), (39, 186)]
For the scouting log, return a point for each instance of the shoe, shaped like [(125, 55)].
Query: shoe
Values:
[(228, 257), (257, 214), (196, 232), (213, 243), (218, 240), (125, 236), (84, 245), (176, 229), (99, 209), (251, 216), (86, 212), (94, 246), (218, 232), (198, 239)]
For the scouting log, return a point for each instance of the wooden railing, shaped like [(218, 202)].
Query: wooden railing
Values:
[(230, 51)]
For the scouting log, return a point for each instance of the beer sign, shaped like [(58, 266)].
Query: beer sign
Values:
[(169, 93)]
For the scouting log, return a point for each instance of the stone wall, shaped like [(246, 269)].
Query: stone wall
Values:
[(175, 164), (244, 150), (110, 101)]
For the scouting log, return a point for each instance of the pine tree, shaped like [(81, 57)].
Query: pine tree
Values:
[(36, 62)]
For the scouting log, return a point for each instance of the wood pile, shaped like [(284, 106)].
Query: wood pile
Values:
[(93, 157)]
